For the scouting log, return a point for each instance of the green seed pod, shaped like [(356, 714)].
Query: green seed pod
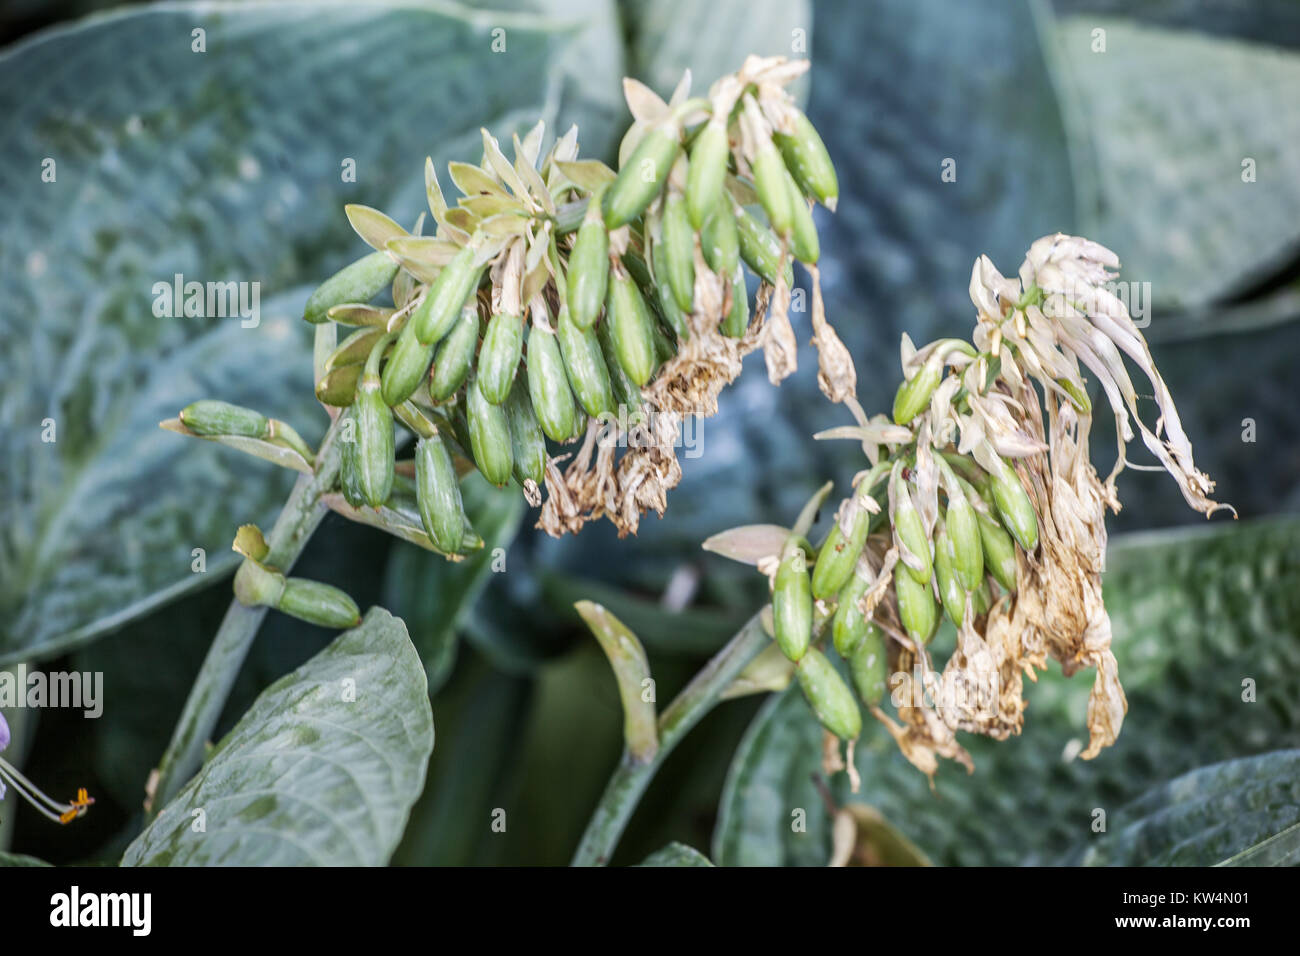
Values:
[(642, 176), (1014, 506), (830, 697), (588, 275), (803, 235), (585, 367), (209, 417), (528, 444), (964, 532), (406, 367), (911, 532), (869, 667), (679, 251), (982, 597), (792, 602), (770, 178), (915, 607), (913, 397), (489, 436), (350, 463), (736, 322), (626, 392), (437, 312), (318, 603), (455, 356), (707, 170), (631, 328), (498, 359), (951, 592), (339, 387), (808, 161), (999, 551), (374, 441), (359, 282), (838, 556), (354, 349), (663, 292), (720, 240), (850, 624), (548, 385), (760, 248), (437, 493)]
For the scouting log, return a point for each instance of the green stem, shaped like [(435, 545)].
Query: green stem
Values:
[(301, 514), (632, 777)]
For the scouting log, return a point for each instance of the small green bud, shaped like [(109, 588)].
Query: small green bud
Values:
[(951, 592), (736, 323), (406, 367), (643, 175), (792, 602), (318, 603), (850, 625), (438, 495), (913, 397), (808, 161), (528, 444), (679, 251), (437, 312), (760, 249), (663, 293), (720, 240), (588, 274), (489, 436), (498, 359), (455, 356), (374, 442), (869, 667), (838, 556), (631, 328), (830, 697), (1014, 506), (964, 531), (214, 418), (773, 192), (584, 365), (916, 607), (999, 551), (803, 237), (359, 282), (707, 170), (548, 385)]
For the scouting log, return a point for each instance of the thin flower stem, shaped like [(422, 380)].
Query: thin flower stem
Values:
[(632, 777), (298, 519)]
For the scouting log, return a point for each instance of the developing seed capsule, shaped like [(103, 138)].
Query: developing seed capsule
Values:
[(707, 170), (951, 592), (982, 598), (911, 532), (641, 177), (736, 322), (1014, 506), (760, 248), (830, 697), (964, 532), (406, 366), (498, 359), (528, 444), (359, 282), (915, 607), (792, 602), (625, 391), (913, 397), (455, 355), (339, 386), (437, 493), (850, 625), (808, 161), (354, 349), (664, 293), (773, 193), (489, 436), (869, 667), (803, 234), (589, 267), (631, 329), (210, 417), (719, 240), (350, 462), (548, 385), (318, 603), (838, 555), (437, 312), (586, 369), (679, 251), (999, 551), (374, 441)]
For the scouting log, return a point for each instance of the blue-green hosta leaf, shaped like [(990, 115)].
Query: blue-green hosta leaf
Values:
[(257, 132), (1245, 812), (1164, 122), (710, 39), (18, 859), (322, 770), (1206, 635), (433, 595), (676, 854)]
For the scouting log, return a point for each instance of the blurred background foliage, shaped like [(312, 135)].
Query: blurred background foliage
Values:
[(227, 167)]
